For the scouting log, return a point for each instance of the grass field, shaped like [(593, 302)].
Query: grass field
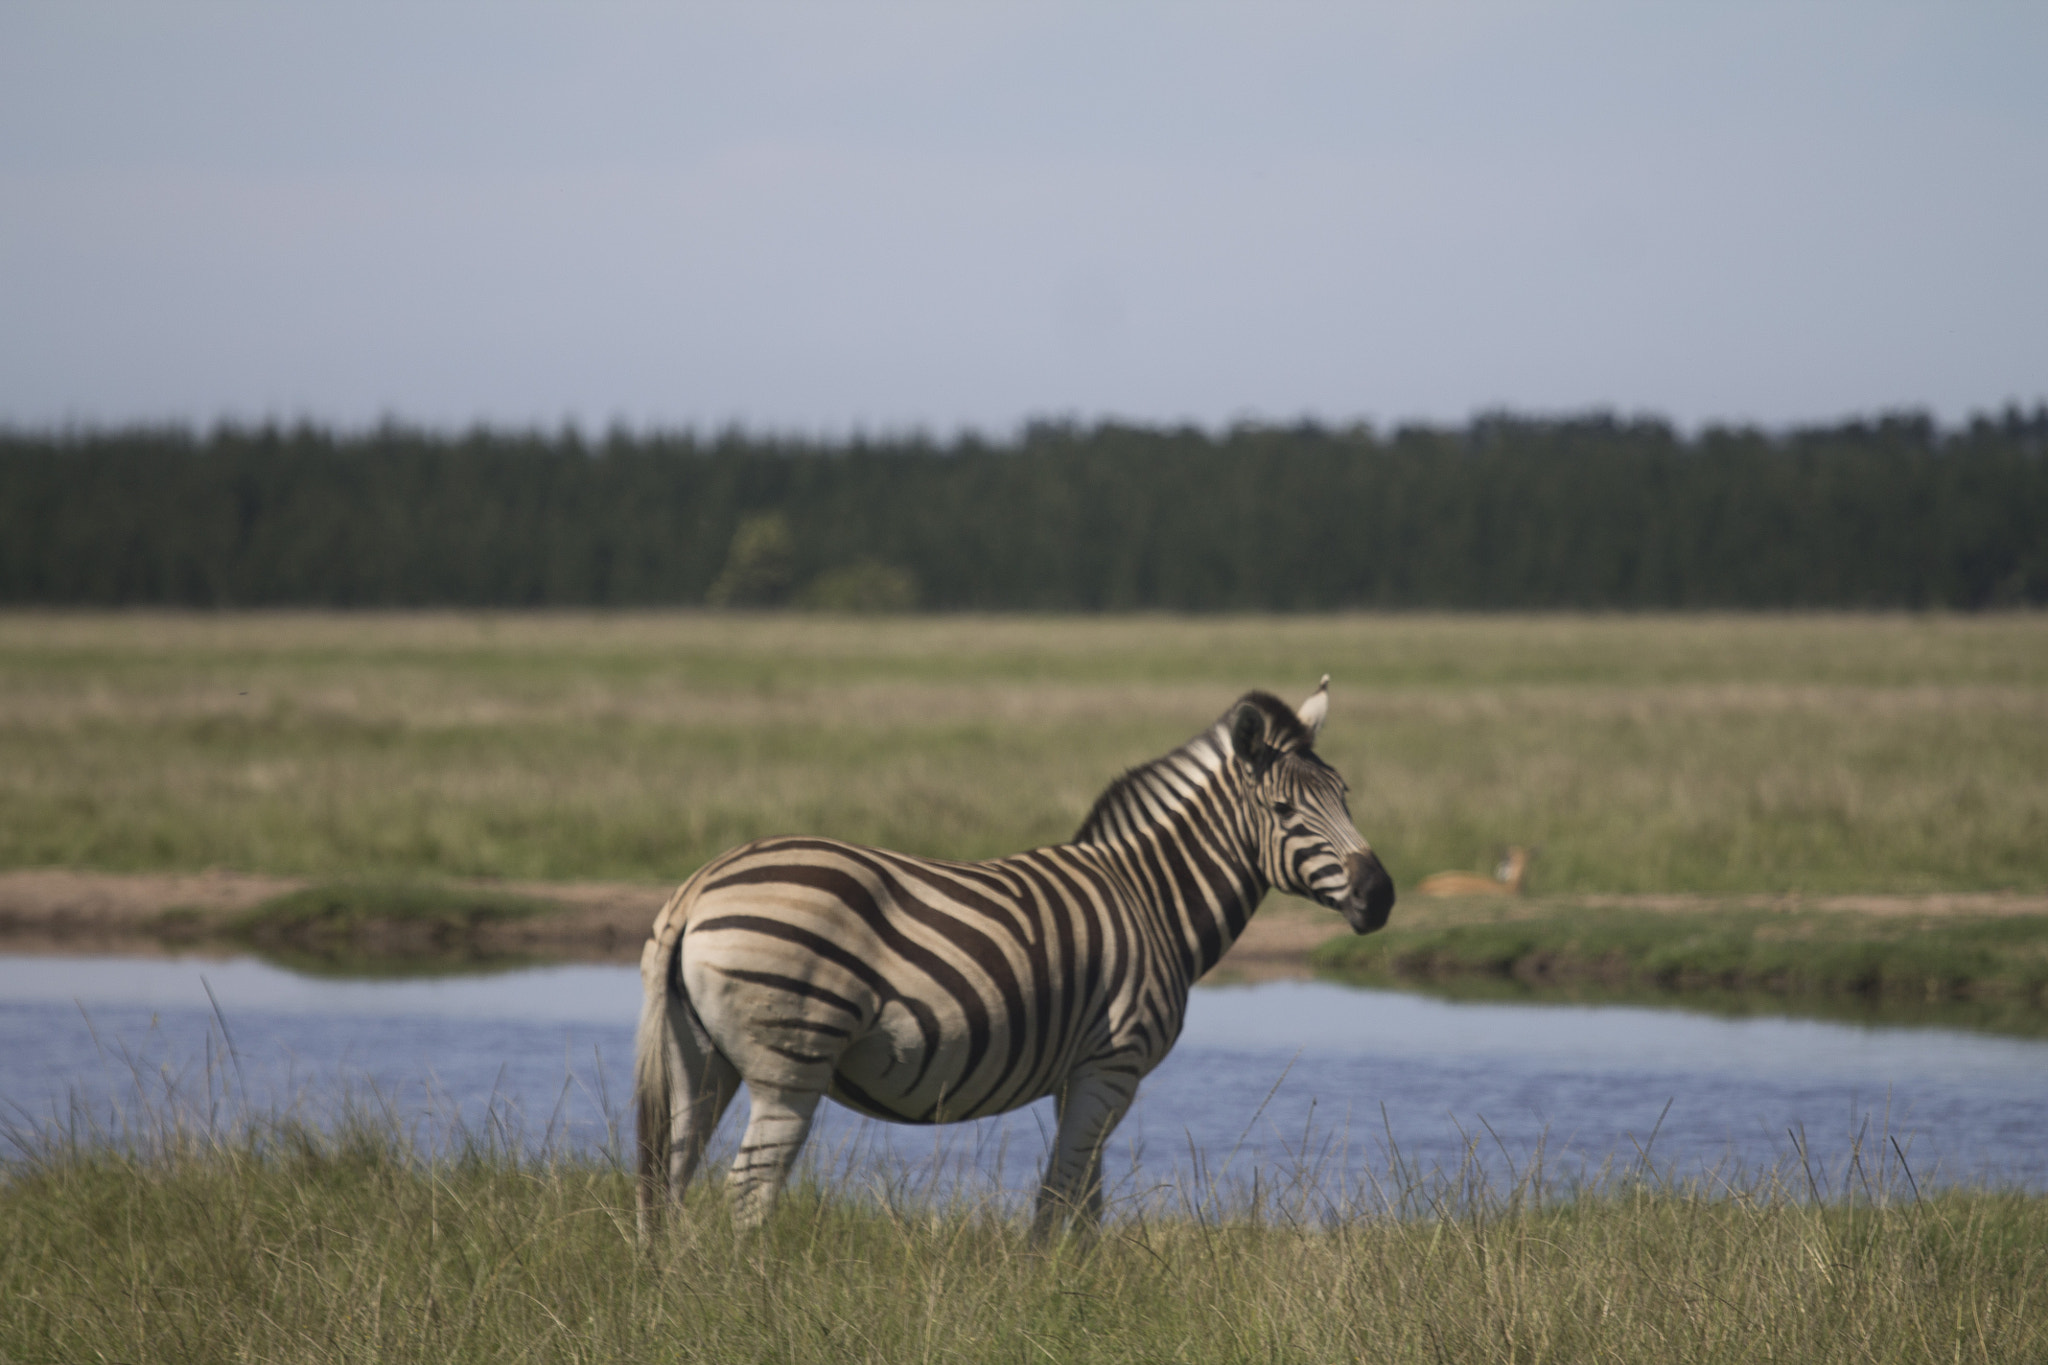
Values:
[(1713, 754), (1695, 754), (295, 1246)]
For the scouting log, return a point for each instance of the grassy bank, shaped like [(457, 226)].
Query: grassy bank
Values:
[(374, 928), (1647, 754), (298, 1247), (1988, 970)]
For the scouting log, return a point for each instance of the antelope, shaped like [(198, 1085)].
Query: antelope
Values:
[(1510, 878)]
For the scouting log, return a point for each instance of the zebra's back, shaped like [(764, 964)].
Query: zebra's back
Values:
[(919, 990)]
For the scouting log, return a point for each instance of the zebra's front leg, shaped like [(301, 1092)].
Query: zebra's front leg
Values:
[(779, 1122), (1090, 1107)]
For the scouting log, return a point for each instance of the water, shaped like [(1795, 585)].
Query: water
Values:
[(1284, 1078)]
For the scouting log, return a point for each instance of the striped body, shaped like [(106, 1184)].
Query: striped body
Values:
[(923, 991)]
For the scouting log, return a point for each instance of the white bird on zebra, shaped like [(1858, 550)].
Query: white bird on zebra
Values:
[(922, 991)]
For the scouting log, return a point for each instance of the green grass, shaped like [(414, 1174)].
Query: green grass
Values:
[(1699, 753), (287, 1245), (1982, 970)]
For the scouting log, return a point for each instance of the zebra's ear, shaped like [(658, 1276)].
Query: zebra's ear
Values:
[(1248, 734), (1313, 712)]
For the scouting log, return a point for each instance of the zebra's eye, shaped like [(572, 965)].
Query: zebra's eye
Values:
[(1283, 809)]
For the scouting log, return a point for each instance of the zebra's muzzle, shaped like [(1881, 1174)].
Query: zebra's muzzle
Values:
[(1370, 896)]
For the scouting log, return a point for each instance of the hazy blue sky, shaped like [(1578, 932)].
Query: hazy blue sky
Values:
[(815, 217)]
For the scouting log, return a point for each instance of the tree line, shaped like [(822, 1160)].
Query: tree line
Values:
[(1504, 512)]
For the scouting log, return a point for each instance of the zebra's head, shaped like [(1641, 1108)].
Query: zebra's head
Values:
[(1295, 812)]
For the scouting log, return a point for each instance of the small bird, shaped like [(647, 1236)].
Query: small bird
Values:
[(1509, 879)]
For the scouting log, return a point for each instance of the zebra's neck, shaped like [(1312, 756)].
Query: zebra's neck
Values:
[(1177, 828)]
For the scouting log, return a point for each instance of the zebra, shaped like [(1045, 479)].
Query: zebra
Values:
[(920, 991)]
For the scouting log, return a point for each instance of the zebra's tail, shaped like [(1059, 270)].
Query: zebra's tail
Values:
[(663, 1016)]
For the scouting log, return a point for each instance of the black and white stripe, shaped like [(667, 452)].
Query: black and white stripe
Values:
[(923, 991)]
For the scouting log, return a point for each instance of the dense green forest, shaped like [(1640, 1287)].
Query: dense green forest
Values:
[(1504, 512)]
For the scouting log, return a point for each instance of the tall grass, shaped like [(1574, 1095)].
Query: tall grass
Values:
[(1718, 754), (285, 1243)]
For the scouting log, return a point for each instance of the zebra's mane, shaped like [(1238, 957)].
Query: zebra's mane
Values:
[(1284, 732)]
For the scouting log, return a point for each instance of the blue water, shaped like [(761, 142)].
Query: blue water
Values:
[(1360, 1090)]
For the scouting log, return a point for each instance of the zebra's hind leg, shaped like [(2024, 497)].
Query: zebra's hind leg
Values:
[(682, 1084), (708, 1083), (1090, 1106), (776, 1128), (680, 1098)]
